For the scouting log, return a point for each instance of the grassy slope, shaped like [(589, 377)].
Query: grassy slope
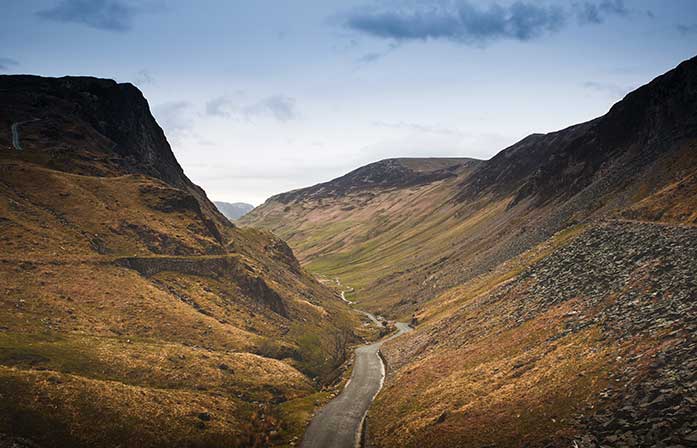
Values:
[(401, 247), (93, 353)]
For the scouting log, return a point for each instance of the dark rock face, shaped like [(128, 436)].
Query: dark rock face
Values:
[(119, 112), (645, 124), (104, 127), (16, 442), (250, 283), (389, 173)]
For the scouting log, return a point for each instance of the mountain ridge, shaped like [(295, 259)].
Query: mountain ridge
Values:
[(575, 174), (393, 172), (235, 210)]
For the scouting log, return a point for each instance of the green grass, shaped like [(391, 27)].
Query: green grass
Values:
[(296, 414)]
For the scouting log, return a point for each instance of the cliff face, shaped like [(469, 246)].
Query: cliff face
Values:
[(80, 116), (647, 124), (118, 112), (130, 303)]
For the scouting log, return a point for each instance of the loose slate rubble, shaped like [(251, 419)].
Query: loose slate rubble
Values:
[(648, 274)]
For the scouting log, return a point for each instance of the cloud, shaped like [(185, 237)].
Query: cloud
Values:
[(608, 88), (463, 22), (415, 127), (143, 77), (175, 117), (594, 13), (110, 15), (6, 63), (459, 21), (280, 107), (220, 107), (371, 57), (687, 29)]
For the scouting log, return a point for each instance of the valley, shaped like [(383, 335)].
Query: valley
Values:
[(552, 285), (348, 224), (550, 290)]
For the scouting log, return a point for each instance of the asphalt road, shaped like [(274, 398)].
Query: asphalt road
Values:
[(338, 424), (15, 133)]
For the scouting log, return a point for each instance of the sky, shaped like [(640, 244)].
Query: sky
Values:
[(261, 97)]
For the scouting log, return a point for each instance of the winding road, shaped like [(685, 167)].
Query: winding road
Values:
[(339, 423), (15, 132)]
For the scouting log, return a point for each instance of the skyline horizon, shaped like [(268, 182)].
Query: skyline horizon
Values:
[(260, 99)]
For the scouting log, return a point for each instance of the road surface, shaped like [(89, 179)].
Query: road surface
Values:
[(338, 424), (15, 133)]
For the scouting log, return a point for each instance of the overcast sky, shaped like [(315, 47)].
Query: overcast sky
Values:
[(259, 97)]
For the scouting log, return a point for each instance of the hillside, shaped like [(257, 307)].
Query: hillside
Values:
[(586, 339), (553, 285), (401, 243), (233, 211), (130, 304)]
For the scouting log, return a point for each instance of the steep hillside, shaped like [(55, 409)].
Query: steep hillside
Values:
[(401, 243), (130, 304), (586, 340), (553, 285), (371, 224), (233, 211)]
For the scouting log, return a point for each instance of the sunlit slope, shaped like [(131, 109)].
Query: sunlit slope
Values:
[(587, 338), (133, 313)]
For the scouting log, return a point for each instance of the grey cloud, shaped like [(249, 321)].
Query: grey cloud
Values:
[(6, 63), (377, 55), (462, 22), (220, 107), (143, 77), (687, 29), (283, 108), (608, 88), (280, 107), (369, 57), (594, 13), (110, 15), (175, 117)]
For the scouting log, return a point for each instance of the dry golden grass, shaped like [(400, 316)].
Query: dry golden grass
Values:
[(488, 391), (93, 353)]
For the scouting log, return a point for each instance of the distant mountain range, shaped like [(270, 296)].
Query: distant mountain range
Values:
[(235, 210)]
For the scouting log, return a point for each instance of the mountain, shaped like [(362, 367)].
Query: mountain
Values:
[(235, 210), (400, 245), (130, 304), (552, 285)]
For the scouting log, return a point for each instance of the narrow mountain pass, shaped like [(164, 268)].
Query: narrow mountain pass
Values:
[(340, 422)]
